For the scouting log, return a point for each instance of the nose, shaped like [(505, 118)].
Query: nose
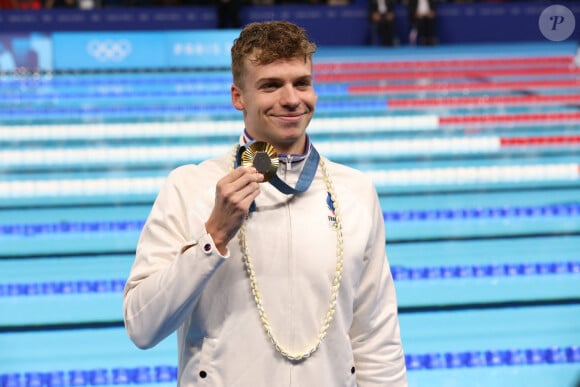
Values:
[(289, 97)]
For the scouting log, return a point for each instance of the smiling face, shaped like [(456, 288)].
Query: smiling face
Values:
[(278, 101)]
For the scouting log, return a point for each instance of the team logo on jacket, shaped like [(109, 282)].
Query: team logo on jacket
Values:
[(332, 213)]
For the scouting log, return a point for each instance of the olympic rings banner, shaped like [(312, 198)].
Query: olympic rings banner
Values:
[(71, 51), (141, 50)]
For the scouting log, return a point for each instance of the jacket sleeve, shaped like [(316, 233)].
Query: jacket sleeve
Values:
[(170, 270), (375, 335)]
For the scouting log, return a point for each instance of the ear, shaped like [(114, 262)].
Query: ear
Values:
[(237, 98)]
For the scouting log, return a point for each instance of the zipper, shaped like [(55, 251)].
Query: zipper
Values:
[(292, 269), (288, 164)]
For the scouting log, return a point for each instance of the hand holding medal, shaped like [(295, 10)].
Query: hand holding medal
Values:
[(261, 156)]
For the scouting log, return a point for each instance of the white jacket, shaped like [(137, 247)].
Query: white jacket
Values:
[(207, 298)]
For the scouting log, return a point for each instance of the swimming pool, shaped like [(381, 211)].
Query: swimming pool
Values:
[(475, 151)]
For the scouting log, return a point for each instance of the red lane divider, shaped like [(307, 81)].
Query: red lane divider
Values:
[(464, 86), (539, 140), (549, 60), (354, 77), (484, 100), (508, 118)]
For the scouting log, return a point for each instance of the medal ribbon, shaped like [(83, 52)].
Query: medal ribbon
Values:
[(304, 180)]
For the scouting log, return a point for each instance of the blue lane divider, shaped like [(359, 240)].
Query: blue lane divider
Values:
[(494, 358), (565, 209), (71, 227), (62, 287), (400, 273), (96, 377), (191, 108), (553, 210), (111, 110), (108, 80), (197, 89), (93, 96), (199, 82), (168, 374)]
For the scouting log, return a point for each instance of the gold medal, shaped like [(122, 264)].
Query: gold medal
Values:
[(261, 156)]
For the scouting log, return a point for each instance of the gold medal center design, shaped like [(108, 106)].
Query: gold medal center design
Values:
[(261, 156)]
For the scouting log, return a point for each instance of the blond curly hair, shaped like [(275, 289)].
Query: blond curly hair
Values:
[(266, 42)]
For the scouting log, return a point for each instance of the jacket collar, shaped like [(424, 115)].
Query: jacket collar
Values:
[(284, 158)]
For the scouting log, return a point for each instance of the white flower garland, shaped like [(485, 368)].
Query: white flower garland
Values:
[(295, 357)]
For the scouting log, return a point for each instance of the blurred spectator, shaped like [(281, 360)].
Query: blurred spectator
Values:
[(9, 4), (228, 13), (168, 3), (30, 4), (61, 4), (422, 19), (382, 22), (20, 4), (73, 4)]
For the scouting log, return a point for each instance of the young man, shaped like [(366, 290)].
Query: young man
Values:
[(278, 283)]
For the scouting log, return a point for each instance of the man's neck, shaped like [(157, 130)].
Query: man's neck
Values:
[(283, 154)]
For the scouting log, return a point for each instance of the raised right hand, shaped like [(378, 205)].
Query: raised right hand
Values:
[(234, 195)]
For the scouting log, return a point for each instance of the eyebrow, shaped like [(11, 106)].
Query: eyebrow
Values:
[(268, 79), (278, 79)]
